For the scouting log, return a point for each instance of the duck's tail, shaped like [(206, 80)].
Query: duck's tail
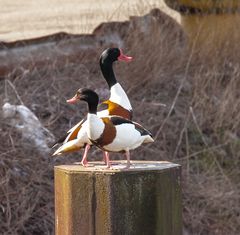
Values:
[(148, 139), (69, 147)]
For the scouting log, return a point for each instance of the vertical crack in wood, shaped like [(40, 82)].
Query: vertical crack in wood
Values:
[(94, 206)]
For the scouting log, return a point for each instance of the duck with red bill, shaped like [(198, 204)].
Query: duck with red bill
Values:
[(117, 104), (73, 100), (123, 57)]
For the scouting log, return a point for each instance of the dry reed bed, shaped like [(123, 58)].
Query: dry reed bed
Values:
[(199, 127)]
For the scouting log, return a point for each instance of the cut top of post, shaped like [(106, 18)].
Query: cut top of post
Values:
[(118, 166), (204, 6)]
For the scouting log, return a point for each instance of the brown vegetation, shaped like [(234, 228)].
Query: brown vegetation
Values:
[(198, 128)]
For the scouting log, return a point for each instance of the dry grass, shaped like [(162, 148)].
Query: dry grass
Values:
[(199, 127)]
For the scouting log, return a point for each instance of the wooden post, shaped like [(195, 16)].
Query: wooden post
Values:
[(213, 27), (94, 201)]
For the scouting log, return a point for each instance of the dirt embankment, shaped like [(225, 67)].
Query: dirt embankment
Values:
[(61, 48), (30, 19)]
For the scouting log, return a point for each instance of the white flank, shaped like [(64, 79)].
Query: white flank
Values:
[(82, 134), (127, 138), (119, 96), (95, 126)]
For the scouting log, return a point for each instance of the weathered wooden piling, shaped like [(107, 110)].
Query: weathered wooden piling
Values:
[(143, 200), (213, 27)]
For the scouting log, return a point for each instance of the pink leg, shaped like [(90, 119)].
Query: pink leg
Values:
[(84, 161), (128, 160), (104, 157), (106, 154)]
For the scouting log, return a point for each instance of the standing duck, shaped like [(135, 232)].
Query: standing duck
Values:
[(117, 104), (111, 133)]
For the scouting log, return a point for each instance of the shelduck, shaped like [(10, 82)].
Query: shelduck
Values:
[(111, 133), (118, 104)]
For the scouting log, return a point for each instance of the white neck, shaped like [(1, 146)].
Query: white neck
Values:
[(95, 126), (119, 96)]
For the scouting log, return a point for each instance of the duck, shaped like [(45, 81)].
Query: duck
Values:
[(111, 133), (118, 104)]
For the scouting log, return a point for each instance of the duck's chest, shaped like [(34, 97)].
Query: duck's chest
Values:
[(102, 132)]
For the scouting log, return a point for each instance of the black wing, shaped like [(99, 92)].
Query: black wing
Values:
[(60, 140), (142, 130), (117, 120)]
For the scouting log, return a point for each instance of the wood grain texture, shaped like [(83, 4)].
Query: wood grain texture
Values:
[(139, 201)]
